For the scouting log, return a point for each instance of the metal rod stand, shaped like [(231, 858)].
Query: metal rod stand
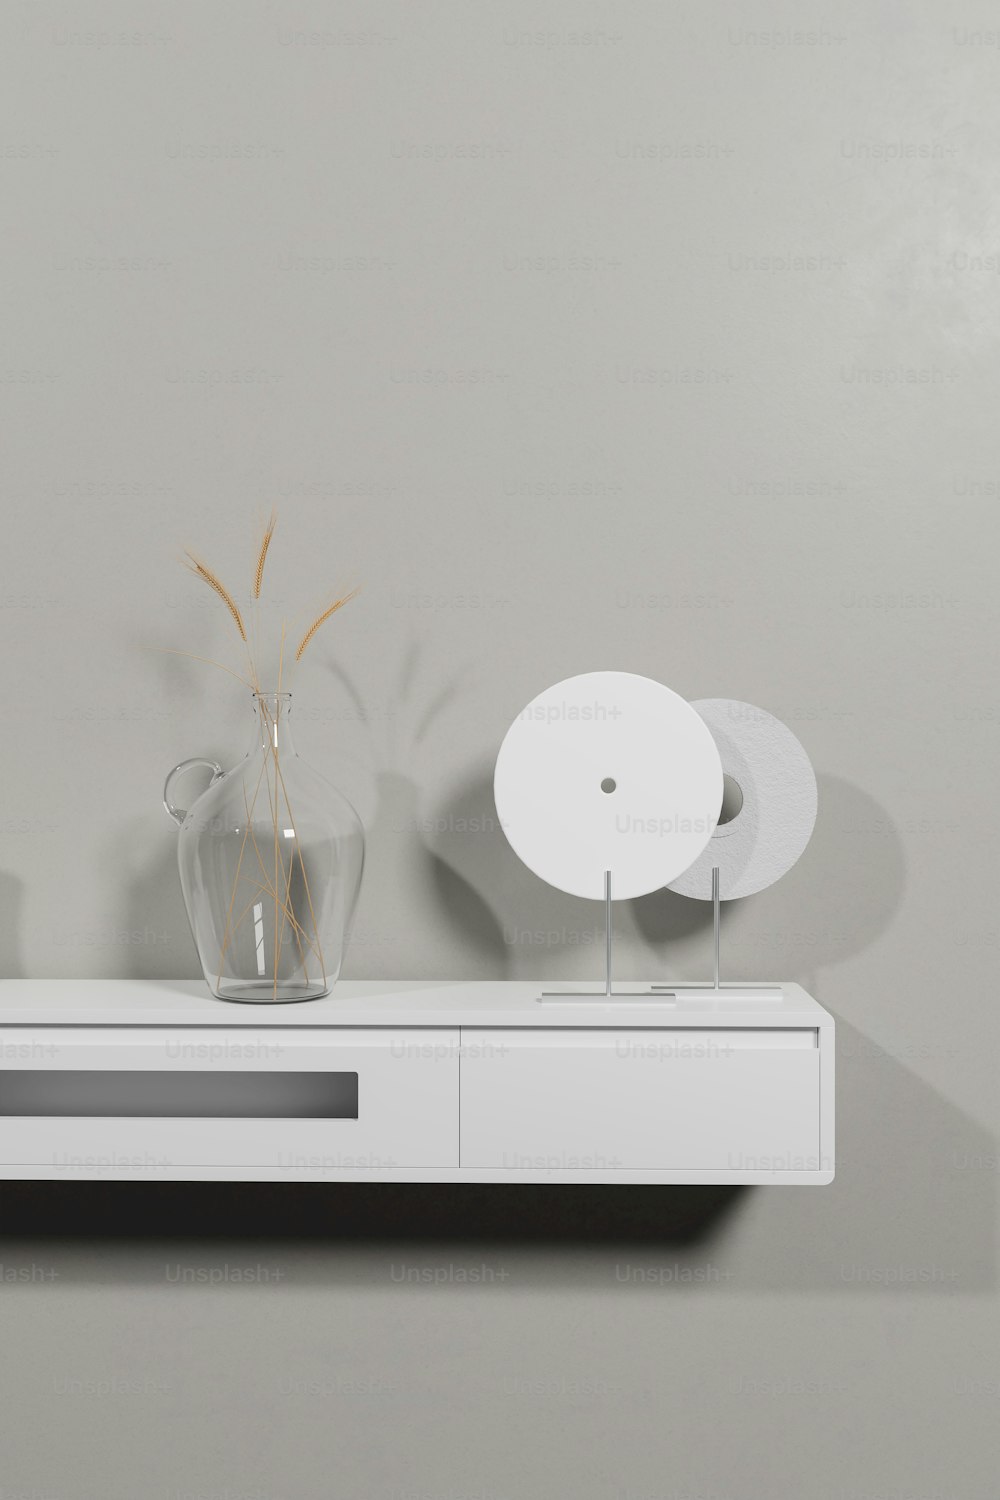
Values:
[(609, 993), (607, 933), (717, 987), (716, 924)]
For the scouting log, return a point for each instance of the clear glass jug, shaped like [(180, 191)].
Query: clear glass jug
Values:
[(270, 859)]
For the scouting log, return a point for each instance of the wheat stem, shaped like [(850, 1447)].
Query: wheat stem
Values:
[(171, 651), (232, 899), (305, 877), (272, 890), (265, 890), (277, 852)]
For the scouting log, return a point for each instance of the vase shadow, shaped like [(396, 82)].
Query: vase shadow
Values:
[(418, 916), (155, 914), (11, 912)]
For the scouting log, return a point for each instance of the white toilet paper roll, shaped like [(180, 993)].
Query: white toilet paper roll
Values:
[(776, 820)]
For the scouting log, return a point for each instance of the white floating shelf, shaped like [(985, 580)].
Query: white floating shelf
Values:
[(414, 1081)]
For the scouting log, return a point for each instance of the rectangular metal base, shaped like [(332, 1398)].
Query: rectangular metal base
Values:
[(658, 994), (730, 991), (597, 997)]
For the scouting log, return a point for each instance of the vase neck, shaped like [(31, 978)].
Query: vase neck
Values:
[(272, 730)]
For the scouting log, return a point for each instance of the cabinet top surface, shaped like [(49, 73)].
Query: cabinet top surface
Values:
[(396, 1002)]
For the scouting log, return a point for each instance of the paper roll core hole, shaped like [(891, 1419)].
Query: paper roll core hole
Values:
[(609, 784), (732, 800)]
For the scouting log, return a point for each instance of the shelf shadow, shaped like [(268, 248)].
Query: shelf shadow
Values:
[(338, 1213)]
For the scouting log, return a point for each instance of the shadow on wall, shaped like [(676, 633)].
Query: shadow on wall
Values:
[(160, 944), (913, 1207), (542, 932), (414, 903), (914, 1201), (444, 895), (338, 1214), (419, 917), (11, 907), (839, 898), (449, 882)]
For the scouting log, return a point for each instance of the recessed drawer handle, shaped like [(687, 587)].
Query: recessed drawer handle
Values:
[(149, 1094), (661, 1041)]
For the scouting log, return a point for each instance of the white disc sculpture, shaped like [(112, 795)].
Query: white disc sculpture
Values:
[(608, 773), (777, 789)]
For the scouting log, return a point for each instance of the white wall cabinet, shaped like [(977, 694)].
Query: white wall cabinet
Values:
[(281, 1098), (413, 1081), (661, 1100)]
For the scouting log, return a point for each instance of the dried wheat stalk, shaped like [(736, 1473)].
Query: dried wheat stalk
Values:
[(278, 881), (258, 577), (338, 604), (216, 583)]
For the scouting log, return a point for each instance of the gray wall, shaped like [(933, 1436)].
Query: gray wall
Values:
[(671, 350)]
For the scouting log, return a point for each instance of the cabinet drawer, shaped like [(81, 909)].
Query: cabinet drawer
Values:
[(130, 1099), (565, 1099)]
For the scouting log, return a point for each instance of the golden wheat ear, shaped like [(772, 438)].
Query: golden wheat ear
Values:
[(338, 604), (258, 577), (219, 587)]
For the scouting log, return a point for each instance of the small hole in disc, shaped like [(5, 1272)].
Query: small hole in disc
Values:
[(608, 784), (732, 800)]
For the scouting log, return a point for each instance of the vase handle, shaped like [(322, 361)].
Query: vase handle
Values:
[(179, 813)]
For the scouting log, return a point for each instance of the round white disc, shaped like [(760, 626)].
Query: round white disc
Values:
[(608, 771), (778, 812)]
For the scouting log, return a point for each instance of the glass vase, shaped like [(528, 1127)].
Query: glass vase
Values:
[(270, 858)]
